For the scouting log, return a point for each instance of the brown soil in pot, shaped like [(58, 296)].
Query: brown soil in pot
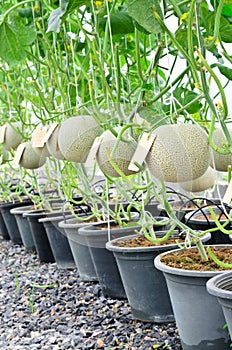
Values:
[(186, 208), (209, 216), (144, 242), (190, 259), (114, 225)]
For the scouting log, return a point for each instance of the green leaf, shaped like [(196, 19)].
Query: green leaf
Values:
[(227, 72), (226, 30), (74, 4), (185, 96), (152, 115), (121, 23), (226, 9), (181, 37), (26, 34), (196, 106), (140, 28), (142, 12), (11, 49), (147, 87), (26, 12), (208, 22)]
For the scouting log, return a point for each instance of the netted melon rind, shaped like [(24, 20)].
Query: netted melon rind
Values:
[(76, 137), (52, 145), (121, 157), (202, 183), (221, 161), (42, 151), (180, 153), (12, 137), (30, 159)]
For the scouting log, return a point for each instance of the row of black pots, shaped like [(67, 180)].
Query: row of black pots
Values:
[(146, 290), (8, 225), (154, 306)]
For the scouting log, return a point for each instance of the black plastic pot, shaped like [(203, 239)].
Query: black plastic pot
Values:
[(40, 238), (104, 262), (145, 286), (221, 287), (10, 221), (198, 315), (23, 226), (199, 220), (3, 229), (58, 242), (80, 249)]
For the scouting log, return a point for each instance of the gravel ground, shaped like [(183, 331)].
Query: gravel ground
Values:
[(42, 307)]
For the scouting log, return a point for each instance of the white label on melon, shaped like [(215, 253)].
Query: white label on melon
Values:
[(228, 194), (19, 153), (93, 152), (141, 151), (2, 133), (50, 131), (38, 136)]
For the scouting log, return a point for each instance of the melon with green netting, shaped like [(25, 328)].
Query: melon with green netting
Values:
[(202, 183), (30, 159), (179, 153), (221, 161), (52, 144), (112, 155), (12, 136), (76, 137)]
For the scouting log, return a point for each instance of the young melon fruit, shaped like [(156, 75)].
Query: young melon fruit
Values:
[(221, 161), (202, 183), (121, 157), (179, 153), (52, 144), (76, 136), (12, 137), (30, 159)]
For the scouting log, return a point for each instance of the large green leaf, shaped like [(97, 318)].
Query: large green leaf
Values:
[(142, 12), (11, 49), (120, 22), (226, 9), (208, 22), (14, 37)]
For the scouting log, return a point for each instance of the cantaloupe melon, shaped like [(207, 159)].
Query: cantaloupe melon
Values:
[(179, 153), (52, 144), (42, 151), (202, 183), (221, 161), (30, 159), (76, 136), (12, 137), (5, 155), (121, 157)]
